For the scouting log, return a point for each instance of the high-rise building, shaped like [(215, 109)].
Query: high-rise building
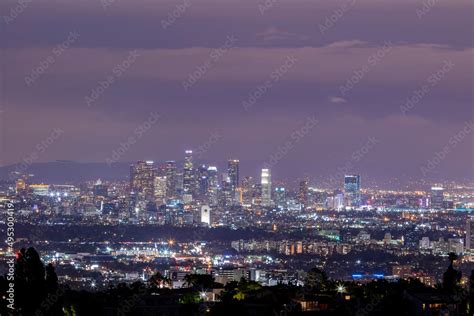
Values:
[(171, 179), (212, 185), (247, 190), (100, 189), (142, 179), (188, 173), (233, 173), (266, 181), (437, 198), (470, 235), (160, 188), (303, 193), (352, 190), (202, 182), (280, 197)]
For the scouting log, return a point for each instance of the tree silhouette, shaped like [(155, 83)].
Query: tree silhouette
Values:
[(316, 280), (199, 281), (451, 277), (36, 288), (159, 281)]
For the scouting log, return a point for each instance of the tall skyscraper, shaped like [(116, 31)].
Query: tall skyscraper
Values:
[(470, 234), (352, 190), (266, 181), (247, 190), (233, 172), (303, 193), (160, 188), (188, 173), (212, 185), (437, 198), (142, 179), (280, 197), (100, 189), (202, 182), (171, 179)]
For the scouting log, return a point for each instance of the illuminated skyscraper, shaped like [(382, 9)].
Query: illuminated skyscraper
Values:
[(212, 185), (142, 179), (437, 198), (352, 190), (160, 188), (171, 179), (202, 182), (188, 173), (470, 235), (233, 172), (303, 193), (266, 181), (100, 189), (280, 197), (247, 190)]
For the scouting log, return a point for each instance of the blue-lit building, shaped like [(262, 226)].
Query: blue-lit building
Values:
[(352, 190)]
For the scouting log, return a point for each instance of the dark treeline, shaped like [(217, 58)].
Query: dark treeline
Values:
[(37, 292)]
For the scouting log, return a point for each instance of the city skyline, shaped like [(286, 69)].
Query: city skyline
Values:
[(340, 83), (238, 157)]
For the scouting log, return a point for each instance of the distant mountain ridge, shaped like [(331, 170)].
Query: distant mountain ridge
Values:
[(63, 171)]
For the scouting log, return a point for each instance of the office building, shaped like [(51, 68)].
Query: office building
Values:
[(142, 179), (188, 174), (437, 198), (352, 188), (171, 179), (100, 189), (233, 173), (266, 182)]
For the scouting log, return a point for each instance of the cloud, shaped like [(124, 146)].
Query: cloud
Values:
[(337, 100), (273, 34)]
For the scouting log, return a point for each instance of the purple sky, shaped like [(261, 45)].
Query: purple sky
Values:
[(396, 45)]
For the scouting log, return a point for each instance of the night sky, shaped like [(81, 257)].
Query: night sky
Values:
[(327, 79)]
